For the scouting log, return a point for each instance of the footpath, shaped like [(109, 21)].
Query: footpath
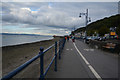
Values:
[(78, 60), (70, 65)]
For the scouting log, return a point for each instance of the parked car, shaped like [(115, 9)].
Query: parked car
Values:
[(87, 40), (93, 38), (101, 38)]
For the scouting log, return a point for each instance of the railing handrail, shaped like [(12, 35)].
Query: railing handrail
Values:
[(20, 68), (48, 48)]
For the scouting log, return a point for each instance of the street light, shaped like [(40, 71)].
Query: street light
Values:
[(87, 20), (86, 15)]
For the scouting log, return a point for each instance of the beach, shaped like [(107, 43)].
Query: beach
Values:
[(14, 56)]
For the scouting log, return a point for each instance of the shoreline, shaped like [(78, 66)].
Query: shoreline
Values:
[(23, 43), (26, 43), (16, 55)]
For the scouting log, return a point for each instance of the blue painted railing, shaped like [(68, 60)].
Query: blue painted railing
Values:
[(41, 56)]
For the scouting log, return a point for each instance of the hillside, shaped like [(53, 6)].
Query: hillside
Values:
[(103, 26)]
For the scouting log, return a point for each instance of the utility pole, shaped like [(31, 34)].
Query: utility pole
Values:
[(74, 28), (86, 17), (86, 21)]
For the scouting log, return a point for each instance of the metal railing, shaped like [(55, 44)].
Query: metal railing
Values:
[(61, 44)]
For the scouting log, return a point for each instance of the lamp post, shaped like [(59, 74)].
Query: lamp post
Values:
[(87, 20)]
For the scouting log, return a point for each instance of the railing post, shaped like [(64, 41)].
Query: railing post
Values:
[(41, 64), (59, 49), (55, 56), (63, 43)]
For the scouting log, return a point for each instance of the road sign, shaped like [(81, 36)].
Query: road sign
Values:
[(112, 33)]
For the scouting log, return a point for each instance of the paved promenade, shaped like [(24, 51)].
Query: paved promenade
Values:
[(78, 60)]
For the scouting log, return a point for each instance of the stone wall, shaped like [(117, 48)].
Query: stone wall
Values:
[(99, 44)]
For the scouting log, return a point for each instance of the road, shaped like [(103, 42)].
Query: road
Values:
[(78, 60)]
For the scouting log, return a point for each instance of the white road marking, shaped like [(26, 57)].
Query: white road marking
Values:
[(91, 49), (67, 49), (88, 49), (88, 64)]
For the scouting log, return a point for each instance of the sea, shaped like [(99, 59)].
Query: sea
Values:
[(15, 39)]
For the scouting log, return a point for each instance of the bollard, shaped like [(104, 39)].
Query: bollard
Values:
[(59, 50), (55, 56), (41, 64)]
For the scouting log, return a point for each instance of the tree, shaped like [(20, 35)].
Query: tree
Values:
[(102, 26), (118, 31), (91, 32), (103, 30)]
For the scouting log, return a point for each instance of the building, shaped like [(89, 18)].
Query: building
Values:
[(119, 7)]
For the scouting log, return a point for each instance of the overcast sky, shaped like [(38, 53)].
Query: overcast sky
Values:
[(51, 18), (59, 0)]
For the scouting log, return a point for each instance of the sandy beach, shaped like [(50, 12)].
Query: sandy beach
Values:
[(14, 56)]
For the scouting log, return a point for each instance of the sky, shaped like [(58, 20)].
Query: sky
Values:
[(59, 0), (51, 18)]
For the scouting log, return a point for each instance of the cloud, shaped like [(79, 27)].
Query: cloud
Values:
[(54, 18), (60, 0), (44, 16)]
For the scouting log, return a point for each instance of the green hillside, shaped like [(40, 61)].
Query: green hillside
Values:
[(103, 26)]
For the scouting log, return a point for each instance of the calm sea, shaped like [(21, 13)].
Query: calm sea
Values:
[(21, 39)]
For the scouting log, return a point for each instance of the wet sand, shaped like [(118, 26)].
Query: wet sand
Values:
[(14, 56)]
